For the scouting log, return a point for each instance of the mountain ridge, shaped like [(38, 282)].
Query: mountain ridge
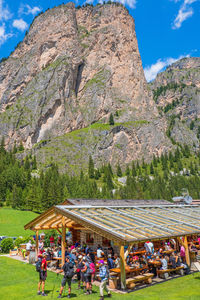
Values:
[(74, 68)]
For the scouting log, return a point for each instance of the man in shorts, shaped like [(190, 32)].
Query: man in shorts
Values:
[(68, 269), (87, 275), (42, 274)]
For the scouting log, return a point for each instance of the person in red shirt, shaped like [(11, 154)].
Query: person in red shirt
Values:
[(42, 274), (52, 241)]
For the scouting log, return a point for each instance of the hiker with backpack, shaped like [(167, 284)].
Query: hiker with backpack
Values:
[(104, 275), (87, 275), (41, 267), (68, 269)]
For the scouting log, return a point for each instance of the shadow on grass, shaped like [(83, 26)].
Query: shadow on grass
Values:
[(198, 278), (48, 291)]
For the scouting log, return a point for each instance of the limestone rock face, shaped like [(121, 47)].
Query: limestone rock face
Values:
[(74, 68), (177, 94)]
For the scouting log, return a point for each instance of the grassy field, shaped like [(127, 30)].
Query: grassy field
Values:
[(19, 281), (12, 222)]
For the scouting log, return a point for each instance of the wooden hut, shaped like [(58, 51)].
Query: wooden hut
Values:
[(124, 225)]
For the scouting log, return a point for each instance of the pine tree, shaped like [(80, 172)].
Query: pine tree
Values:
[(154, 161), (127, 171), (109, 182), (27, 163), (111, 120), (14, 148), (198, 132), (192, 125), (134, 173), (34, 163), (192, 170), (91, 168), (21, 147), (119, 170), (143, 164), (151, 169), (2, 146), (110, 169)]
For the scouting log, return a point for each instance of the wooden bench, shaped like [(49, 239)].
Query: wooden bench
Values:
[(165, 273), (131, 282), (13, 252)]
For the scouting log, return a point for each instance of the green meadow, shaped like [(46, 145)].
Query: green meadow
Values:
[(19, 281), (12, 222)]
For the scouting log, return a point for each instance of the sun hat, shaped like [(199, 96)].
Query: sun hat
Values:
[(80, 256), (101, 262)]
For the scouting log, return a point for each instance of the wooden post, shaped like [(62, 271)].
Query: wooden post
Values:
[(63, 240), (187, 254), (36, 244), (127, 252), (122, 268)]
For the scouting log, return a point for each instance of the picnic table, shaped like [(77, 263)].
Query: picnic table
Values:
[(138, 252), (155, 263), (128, 270), (168, 251)]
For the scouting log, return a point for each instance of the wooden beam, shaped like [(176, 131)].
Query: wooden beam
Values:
[(36, 246), (63, 240), (187, 254), (122, 268), (128, 251), (59, 231)]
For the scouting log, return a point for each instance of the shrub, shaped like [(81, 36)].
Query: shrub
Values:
[(48, 234), (23, 240), (111, 120), (6, 245)]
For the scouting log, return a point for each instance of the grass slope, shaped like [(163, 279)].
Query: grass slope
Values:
[(19, 281), (12, 222)]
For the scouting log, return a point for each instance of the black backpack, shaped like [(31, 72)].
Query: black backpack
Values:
[(68, 270), (38, 265)]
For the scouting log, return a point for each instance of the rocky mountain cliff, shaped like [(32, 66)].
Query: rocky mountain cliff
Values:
[(177, 96), (73, 69)]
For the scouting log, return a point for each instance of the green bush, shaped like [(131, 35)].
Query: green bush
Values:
[(23, 240), (48, 234), (6, 245)]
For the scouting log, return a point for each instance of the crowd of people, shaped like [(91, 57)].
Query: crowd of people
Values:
[(90, 264), (81, 261)]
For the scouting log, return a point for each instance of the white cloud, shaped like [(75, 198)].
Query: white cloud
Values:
[(130, 3), (20, 24), (5, 14), (151, 71), (27, 9), (3, 35), (185, 12)]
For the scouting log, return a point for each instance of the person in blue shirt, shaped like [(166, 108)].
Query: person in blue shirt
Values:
[(110, 261), (104, 275)]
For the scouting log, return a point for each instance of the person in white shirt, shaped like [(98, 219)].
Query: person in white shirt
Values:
[(99, 252), (28, 246), (149, 247)]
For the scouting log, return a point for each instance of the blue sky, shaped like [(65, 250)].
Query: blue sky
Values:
[(166, 29)]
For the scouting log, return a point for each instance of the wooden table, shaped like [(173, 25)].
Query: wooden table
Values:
[(128, 270), (138, 252), (168, 251), (156, 263)]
